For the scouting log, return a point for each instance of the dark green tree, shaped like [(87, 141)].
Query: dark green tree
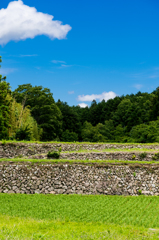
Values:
[(70, 118), (68, 136), (4, 107), (43, 109)]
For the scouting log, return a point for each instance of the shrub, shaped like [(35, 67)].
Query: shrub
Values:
[(156, 156), (143, 155), (54, 154)]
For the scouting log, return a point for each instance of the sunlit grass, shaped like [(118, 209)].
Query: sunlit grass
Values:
[(27, 228), (80, 143), (111, 150), (73, 161), (137, 210), (78, 217)]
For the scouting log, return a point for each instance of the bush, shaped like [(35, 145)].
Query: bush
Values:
[(142, 155), (156, 156), (54, 154)]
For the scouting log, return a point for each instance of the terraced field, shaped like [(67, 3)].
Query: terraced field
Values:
[(61, 216)]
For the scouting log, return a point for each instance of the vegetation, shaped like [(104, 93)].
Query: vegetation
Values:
[(78, 217), (21, 158), (54, 154), (31, 113), (142, 155), (42, 107), (156, 156)]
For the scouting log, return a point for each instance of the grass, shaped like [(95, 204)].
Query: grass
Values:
[(73, 161), (113, 150), (22, 228), (78, 143), (78, 217)]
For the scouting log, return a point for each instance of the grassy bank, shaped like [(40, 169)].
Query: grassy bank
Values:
[(111, 150), (73, 161), (78, 143)]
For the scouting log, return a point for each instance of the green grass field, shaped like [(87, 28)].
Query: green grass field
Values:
[(78, 217)]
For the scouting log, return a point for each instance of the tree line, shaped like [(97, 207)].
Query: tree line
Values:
[(31, 113)]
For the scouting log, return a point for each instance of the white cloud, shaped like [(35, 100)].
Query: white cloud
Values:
[(82, 105), (89, 98), (138, 86), (71, 92), (65, 66), (57, 61), (7, 70), (19, 22), (29, 55)]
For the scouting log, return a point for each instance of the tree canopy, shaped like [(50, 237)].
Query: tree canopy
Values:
[(43, 109), (30, 112)]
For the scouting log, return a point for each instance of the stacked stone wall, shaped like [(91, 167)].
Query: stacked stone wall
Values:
[(50, 178), (12, 150)]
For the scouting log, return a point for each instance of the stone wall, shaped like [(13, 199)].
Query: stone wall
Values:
[(130, 156), (11, 150), (47, 178), (108, 155)]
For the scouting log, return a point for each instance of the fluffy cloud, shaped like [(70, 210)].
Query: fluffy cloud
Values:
[(82, 105), (89, 98), (19, 22)]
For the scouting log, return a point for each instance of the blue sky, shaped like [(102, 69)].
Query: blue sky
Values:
[(100, 50)]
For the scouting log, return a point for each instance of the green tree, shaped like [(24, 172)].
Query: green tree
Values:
[(22, 125), (68, 136), (70, 118), (43, 109), (5, 100)]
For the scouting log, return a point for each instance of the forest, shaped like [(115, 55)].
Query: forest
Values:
[(31, 113)]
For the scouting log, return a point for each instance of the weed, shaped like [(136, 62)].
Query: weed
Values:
[(4, 142), (134, 174), (142, 155), (139, 192), (156, 156), (133, 157)]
